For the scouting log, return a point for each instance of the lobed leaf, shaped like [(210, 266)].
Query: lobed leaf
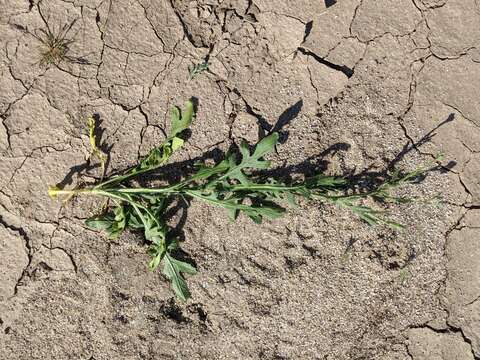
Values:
[(173, 270)]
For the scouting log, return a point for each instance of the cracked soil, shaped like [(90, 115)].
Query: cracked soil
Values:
[(353, 86)]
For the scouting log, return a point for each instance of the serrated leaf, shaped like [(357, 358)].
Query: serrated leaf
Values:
[(263, 209), (134, 222), (257, 219), (157, 252), (253, 161), (153, 232), (240, 176), (172, 270), (155, 158), (173, 244), (271, 212), (244, 149), (292, 201), (233, 212), (265, 146), (183, 266)]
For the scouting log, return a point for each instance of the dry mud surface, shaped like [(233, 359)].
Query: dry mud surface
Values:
[(353, 86)]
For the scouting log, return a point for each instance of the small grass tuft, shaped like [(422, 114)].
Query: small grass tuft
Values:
[(54, 44)]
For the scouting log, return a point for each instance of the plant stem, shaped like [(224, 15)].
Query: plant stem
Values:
[(121, 178), (265, 187)]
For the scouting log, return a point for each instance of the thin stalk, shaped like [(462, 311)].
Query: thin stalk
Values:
[(164, 190), (122, 178), (198, 195), (265, 187)]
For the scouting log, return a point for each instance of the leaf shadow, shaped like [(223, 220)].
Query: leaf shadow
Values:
[(289, 114), (329, 3), (368, 177)]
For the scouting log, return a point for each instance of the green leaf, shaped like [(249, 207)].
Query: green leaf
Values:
[(172, 244), (253, 161), (177, 143), (394, 225), (162, 153), (266, 145), (134, 222), (257, 219), (153, 232), (175, 115), (100, 222), (291, 200), (270, 211), (153, 264), (157, 251), (156, 157), (183, 266), (113, 223), (181, 123), (204, 172), (234, 204), (233, 214), (172, 269), (322, 181), (197, 69), (189, 113)]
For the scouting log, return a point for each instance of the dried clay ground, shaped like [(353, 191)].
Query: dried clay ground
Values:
[(353, 87)]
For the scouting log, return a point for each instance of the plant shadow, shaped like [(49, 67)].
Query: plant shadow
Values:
[(368, 177), (329, 3)]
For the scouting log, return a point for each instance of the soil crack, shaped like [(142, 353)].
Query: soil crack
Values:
[(23, 234), (348, 72)]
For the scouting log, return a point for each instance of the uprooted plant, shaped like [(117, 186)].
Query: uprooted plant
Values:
[(238, 184)]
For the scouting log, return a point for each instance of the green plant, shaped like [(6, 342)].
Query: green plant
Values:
[(197, 69), (54, 44), (238, 184)]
